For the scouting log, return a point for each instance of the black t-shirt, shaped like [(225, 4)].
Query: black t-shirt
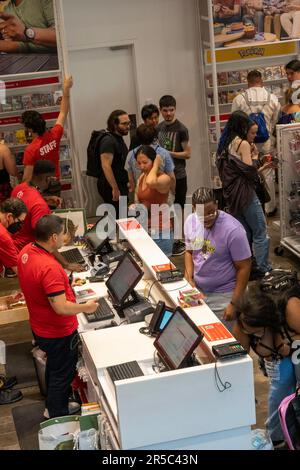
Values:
[(115, 144), (171, 137)]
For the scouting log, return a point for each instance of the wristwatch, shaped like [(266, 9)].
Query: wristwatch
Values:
[(29, 33)]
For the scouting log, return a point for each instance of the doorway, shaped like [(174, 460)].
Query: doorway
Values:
[(104, 80)]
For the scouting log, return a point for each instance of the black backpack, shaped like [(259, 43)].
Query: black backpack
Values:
[(94, 167)]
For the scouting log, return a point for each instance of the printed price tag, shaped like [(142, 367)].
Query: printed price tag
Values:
[(215, 332), (130, 224)]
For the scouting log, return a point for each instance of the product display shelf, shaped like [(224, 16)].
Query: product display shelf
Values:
[(226, 71), (288, 145), (244, 85), (40, 92), (228, 91), (41, 110)]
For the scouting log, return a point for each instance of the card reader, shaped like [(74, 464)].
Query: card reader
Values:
[(170, 275), (228, 350)]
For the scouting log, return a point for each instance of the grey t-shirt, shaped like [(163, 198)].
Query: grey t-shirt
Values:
[(171, 137)]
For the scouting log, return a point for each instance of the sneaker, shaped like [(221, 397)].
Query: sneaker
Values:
[(178, 248), (10, 396), (10, 273), (7, 382), (74, 407)]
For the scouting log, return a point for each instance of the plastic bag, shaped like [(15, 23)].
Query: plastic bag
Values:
[(58, 433), (260, 440), (88, 440)]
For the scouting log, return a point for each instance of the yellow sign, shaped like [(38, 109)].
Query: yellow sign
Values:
[(252, 51)]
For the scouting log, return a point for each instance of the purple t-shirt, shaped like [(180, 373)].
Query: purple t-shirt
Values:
[(215, 250)]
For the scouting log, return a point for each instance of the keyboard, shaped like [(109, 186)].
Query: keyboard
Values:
[(73, 256), (127, 370), (103, 312)]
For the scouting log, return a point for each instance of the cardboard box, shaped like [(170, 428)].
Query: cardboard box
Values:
[(12, 315)]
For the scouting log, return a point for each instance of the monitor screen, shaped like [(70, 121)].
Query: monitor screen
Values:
[(123, 280), (100, 234), (160, 317), (177, 341)]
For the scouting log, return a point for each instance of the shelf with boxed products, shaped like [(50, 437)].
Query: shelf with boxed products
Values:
[(41, 92), (244, 85), (230, 84), (41, 110)]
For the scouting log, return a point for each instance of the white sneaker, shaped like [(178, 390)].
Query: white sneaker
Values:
[(74, 407)]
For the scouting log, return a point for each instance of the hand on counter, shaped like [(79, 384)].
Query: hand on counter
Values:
[(229, 313), (76, 267)]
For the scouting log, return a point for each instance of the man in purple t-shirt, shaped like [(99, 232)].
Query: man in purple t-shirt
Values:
[(218, 256)]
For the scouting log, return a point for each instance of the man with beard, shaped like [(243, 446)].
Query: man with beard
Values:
[(113, 152)]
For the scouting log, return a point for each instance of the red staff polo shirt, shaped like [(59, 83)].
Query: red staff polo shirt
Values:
[(45, 147), (40, 277), (37, 208), (8, 251)]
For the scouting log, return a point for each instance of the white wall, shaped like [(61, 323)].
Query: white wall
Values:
[(164, 34)]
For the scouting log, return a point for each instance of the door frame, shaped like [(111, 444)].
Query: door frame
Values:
[(63, 54)]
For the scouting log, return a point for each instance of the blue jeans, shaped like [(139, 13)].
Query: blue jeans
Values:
[(217, 302), (254, 222), (279, 388), (164, 240)]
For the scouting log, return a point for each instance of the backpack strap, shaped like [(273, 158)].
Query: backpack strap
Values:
[(245, 96)]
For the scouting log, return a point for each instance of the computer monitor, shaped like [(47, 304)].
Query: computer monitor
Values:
[(98, 237), (160, 318), (177, 341), (123, 280)]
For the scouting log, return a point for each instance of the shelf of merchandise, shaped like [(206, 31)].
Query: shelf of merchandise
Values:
[(41, 110), (244, 85), (34, 84), (288, 143), (221, 111)]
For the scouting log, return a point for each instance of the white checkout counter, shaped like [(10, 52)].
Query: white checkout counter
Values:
[(181, 409)]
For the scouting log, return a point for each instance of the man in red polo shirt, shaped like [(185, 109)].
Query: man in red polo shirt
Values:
[(45, 144), (52, 310), (37, 207), (12, 215)]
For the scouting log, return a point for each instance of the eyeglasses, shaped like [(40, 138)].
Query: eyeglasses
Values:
[(127, 123), (210, 216)]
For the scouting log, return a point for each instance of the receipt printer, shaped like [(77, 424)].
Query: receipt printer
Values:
[(137, 312)]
